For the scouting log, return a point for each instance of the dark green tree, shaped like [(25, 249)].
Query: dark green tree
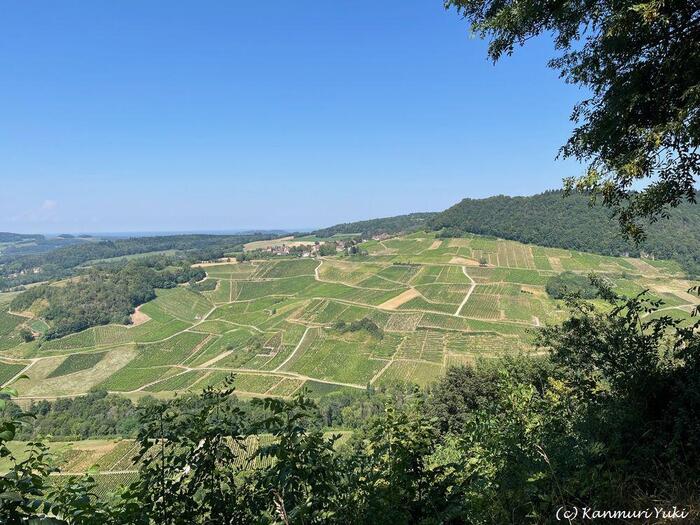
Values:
[(640, 62)]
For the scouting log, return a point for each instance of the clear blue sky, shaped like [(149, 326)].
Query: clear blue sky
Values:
[(145, 116)]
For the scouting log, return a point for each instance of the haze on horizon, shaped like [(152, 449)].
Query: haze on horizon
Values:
[(126, 116)]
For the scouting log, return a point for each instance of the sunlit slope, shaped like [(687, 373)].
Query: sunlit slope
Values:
[(434, 302)]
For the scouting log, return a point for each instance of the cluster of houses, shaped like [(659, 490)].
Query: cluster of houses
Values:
[(25, 272), (315, 249), (305, 250)]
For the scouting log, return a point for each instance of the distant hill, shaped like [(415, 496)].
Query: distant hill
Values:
[(24, 266), (388, 225), (18, 237), (550, 219)]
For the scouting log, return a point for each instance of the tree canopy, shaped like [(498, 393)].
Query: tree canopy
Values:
[(640, 62)]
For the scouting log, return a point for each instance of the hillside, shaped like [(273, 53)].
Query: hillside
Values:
[(387, 225), (549, 219), (410, 308)]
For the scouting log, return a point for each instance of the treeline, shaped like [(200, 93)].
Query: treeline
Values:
[(610, 419), (95, 415), (24, 245), (99, 415), (104, 295), (389, 225), (25, 269), (550, 219), (565, 284)]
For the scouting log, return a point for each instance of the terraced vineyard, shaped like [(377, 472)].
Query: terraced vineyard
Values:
[(278, 323), (113, 460)]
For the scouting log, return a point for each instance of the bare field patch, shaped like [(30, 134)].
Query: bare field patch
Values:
[(436, 244), (393, 304), (555, 263), (680, 290), (463, 261), (138, 317), (72, 384), (643, 267)]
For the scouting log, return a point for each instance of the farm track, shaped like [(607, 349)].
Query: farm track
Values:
[(19, 374), (469, 293), (296, 348)]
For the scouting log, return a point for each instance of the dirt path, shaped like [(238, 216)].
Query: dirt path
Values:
[(18, 374), (141, 388), (469, 293), (687, 308), (293, 351), (216, 359), (388, 363)]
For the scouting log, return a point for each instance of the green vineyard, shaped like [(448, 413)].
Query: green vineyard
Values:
[(419, 304)]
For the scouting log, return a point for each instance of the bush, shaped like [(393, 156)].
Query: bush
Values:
[(363, 324), (569, 283)]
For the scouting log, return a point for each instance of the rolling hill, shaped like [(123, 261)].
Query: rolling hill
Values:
[(548, 219), (387, 225), (414, 305)]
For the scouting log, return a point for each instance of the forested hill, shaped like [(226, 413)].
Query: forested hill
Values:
[(18, 270), (18, 237), (388, 225), (550, 219)]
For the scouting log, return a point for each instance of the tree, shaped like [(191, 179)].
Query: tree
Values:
[(458, 393), (641, 63), (26, 335), (327, 248)]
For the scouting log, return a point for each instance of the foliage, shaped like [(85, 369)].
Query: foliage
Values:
[(457, 394), (569, 283), (639, 62), (103, 296), (388, 225), (23, 488), (96, 414), (365, 324), (549, 219), (609, 421), (26, 335), (19, 269), (186, 450), (327, 248)]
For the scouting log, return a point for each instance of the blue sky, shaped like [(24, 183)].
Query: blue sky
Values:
[(147, 116)]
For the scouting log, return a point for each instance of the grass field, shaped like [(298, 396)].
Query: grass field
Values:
[(277, 323)]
